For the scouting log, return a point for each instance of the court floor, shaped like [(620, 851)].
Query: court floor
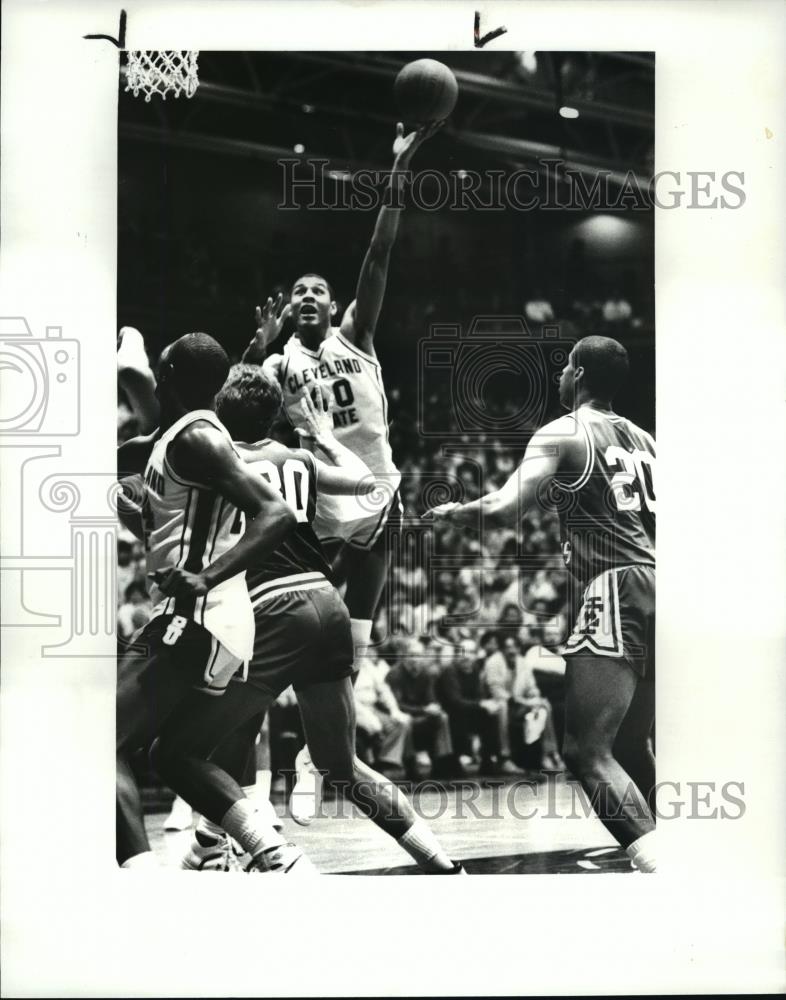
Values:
[(494, 827)]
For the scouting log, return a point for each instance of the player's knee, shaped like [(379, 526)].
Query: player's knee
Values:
[(338, 776), (584, 758), (161, 756), (403, 722)]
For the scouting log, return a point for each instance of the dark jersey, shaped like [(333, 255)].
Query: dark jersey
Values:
[(607, 515), (299, 562)]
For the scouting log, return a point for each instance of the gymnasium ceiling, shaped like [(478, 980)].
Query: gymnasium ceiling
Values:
[(339, 106)]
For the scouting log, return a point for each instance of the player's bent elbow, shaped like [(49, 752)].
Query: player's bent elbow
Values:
[(366, 485)]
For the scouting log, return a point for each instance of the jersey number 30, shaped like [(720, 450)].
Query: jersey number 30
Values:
[(634, 481), (291, 483)]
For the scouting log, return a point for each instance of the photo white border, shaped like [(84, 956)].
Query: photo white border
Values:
[(712, 919)]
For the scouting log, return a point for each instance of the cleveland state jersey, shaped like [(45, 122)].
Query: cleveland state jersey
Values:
[(360, 411), (187, 524), (298, 563), (607, 515)]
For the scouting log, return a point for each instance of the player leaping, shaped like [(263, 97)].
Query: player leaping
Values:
[(303, 638), (202, 628), (343, 361), (597, 468)]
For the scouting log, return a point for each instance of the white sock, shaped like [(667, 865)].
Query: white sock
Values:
[(361, 637), (145, 860), (420, 844), (250, 828), (303, 760), (263, 781), (642, 852), (264, 807)]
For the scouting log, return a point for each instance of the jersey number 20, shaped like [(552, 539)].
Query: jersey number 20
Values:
[(634, 481)]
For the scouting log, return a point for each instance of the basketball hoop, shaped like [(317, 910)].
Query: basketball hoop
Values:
[(161, 73)]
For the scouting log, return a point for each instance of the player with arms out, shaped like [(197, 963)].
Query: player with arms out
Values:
[(597, 469), (342, 361), (303, 637), (202, 628)]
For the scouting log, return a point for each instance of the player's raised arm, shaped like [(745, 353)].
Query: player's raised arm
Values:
[(203, 455), (270, 320), (136, 378), (556, 448), (348, 474), (360, 320)]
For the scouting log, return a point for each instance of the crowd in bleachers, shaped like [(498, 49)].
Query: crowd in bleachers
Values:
[(464, 671), (453, 679)]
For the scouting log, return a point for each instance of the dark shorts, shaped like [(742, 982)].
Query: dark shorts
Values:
[(302, 637), (617, 618), (173, 644)]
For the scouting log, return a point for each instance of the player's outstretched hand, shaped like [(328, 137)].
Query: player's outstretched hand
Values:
[(317, 414), (270, 319), (405, 145), (178, 582), (442, 511), (136, 377)]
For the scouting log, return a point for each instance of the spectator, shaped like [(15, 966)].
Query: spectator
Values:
[(286, 737), (470, 714), (489, 644), (497, 684), (538, 309), (509, 678), (548, 666), (543, 656), (125, 565), (616, 309), (134, 613), (381, 725), (413, 685), (511, 622)]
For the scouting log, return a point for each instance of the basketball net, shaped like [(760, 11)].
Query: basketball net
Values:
[(161, 73)]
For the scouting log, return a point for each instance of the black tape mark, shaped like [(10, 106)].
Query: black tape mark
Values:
[(489, 36), (120, 41)]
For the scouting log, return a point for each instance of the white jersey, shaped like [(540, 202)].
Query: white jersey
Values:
[(190, 525), (360, 415)]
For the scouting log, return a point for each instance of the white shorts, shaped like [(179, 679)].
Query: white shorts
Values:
[(358, 523)]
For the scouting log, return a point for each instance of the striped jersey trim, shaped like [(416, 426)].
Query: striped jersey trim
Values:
[(589, 462), (357, 350), (286, 584)]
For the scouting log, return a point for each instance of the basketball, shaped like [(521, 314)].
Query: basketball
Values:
[(425, 91)]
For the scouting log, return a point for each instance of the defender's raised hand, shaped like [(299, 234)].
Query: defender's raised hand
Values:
[(317, 414), (270, 319)]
